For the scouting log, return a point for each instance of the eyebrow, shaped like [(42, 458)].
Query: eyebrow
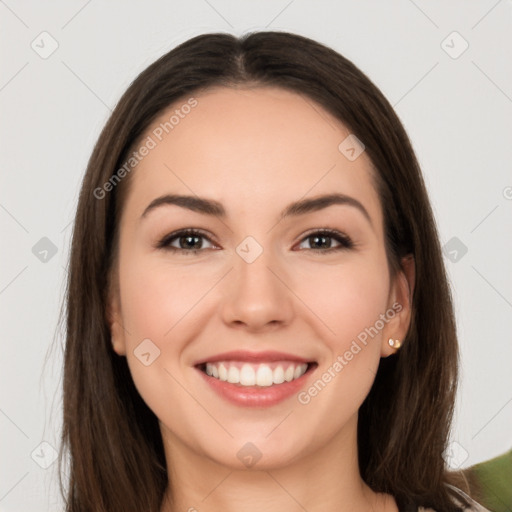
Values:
[(214, 208)]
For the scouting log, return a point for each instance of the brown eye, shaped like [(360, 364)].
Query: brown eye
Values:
[(191, 241), (185, 241), (322, 241)]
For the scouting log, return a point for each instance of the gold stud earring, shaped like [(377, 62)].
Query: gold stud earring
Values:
[(394, 343)]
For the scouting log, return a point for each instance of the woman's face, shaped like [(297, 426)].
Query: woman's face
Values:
[(254, 297)]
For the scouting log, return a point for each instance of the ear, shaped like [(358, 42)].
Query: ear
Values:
[(400, 301), (114, 319)]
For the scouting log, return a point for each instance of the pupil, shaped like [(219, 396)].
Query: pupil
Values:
[(317, 238), (188, 244)]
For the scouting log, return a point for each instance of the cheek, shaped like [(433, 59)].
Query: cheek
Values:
[(348, 299), (351, 306), (156, 299), (158, 305), (161, 304)]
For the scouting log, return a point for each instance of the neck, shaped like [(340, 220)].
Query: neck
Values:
[(327, 480)]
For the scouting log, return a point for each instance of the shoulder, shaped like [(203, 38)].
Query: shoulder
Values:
[(460, 498)]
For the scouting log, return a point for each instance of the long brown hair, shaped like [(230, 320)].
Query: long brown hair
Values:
[(116, 459)]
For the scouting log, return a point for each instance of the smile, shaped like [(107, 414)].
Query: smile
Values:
[(259, 379), (250, 374)]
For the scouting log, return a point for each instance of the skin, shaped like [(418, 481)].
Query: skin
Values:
[(256, 151)]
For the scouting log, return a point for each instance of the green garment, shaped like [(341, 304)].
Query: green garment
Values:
[(491, 482)]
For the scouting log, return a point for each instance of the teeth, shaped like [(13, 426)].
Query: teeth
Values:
[(278, 376), (233, 375), (223, 373), (247, 375), (262, 375)]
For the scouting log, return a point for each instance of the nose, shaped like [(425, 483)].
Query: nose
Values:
[(257, 295)]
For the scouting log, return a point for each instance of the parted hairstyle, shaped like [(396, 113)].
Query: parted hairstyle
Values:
[(111, 441)]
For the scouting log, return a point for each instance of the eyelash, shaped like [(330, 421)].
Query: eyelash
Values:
[(345, 242)]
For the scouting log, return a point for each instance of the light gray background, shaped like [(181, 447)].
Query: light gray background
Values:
[(457, 111)]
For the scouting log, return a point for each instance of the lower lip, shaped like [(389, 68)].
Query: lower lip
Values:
[(256, 396)]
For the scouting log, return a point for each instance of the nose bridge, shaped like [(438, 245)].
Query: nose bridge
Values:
[(252, 268), (256, 296)]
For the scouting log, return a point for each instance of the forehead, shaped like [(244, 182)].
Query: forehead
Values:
[(236, 145)]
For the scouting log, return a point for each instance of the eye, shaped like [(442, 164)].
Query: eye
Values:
[(323, 240), (185, 241), (190, 241)]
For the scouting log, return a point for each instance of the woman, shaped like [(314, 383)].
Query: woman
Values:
[(258, 312)]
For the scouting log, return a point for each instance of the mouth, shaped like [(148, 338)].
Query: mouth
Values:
[(246, 374), (258, 380)]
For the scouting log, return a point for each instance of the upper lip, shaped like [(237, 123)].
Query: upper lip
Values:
[(252, 357)]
